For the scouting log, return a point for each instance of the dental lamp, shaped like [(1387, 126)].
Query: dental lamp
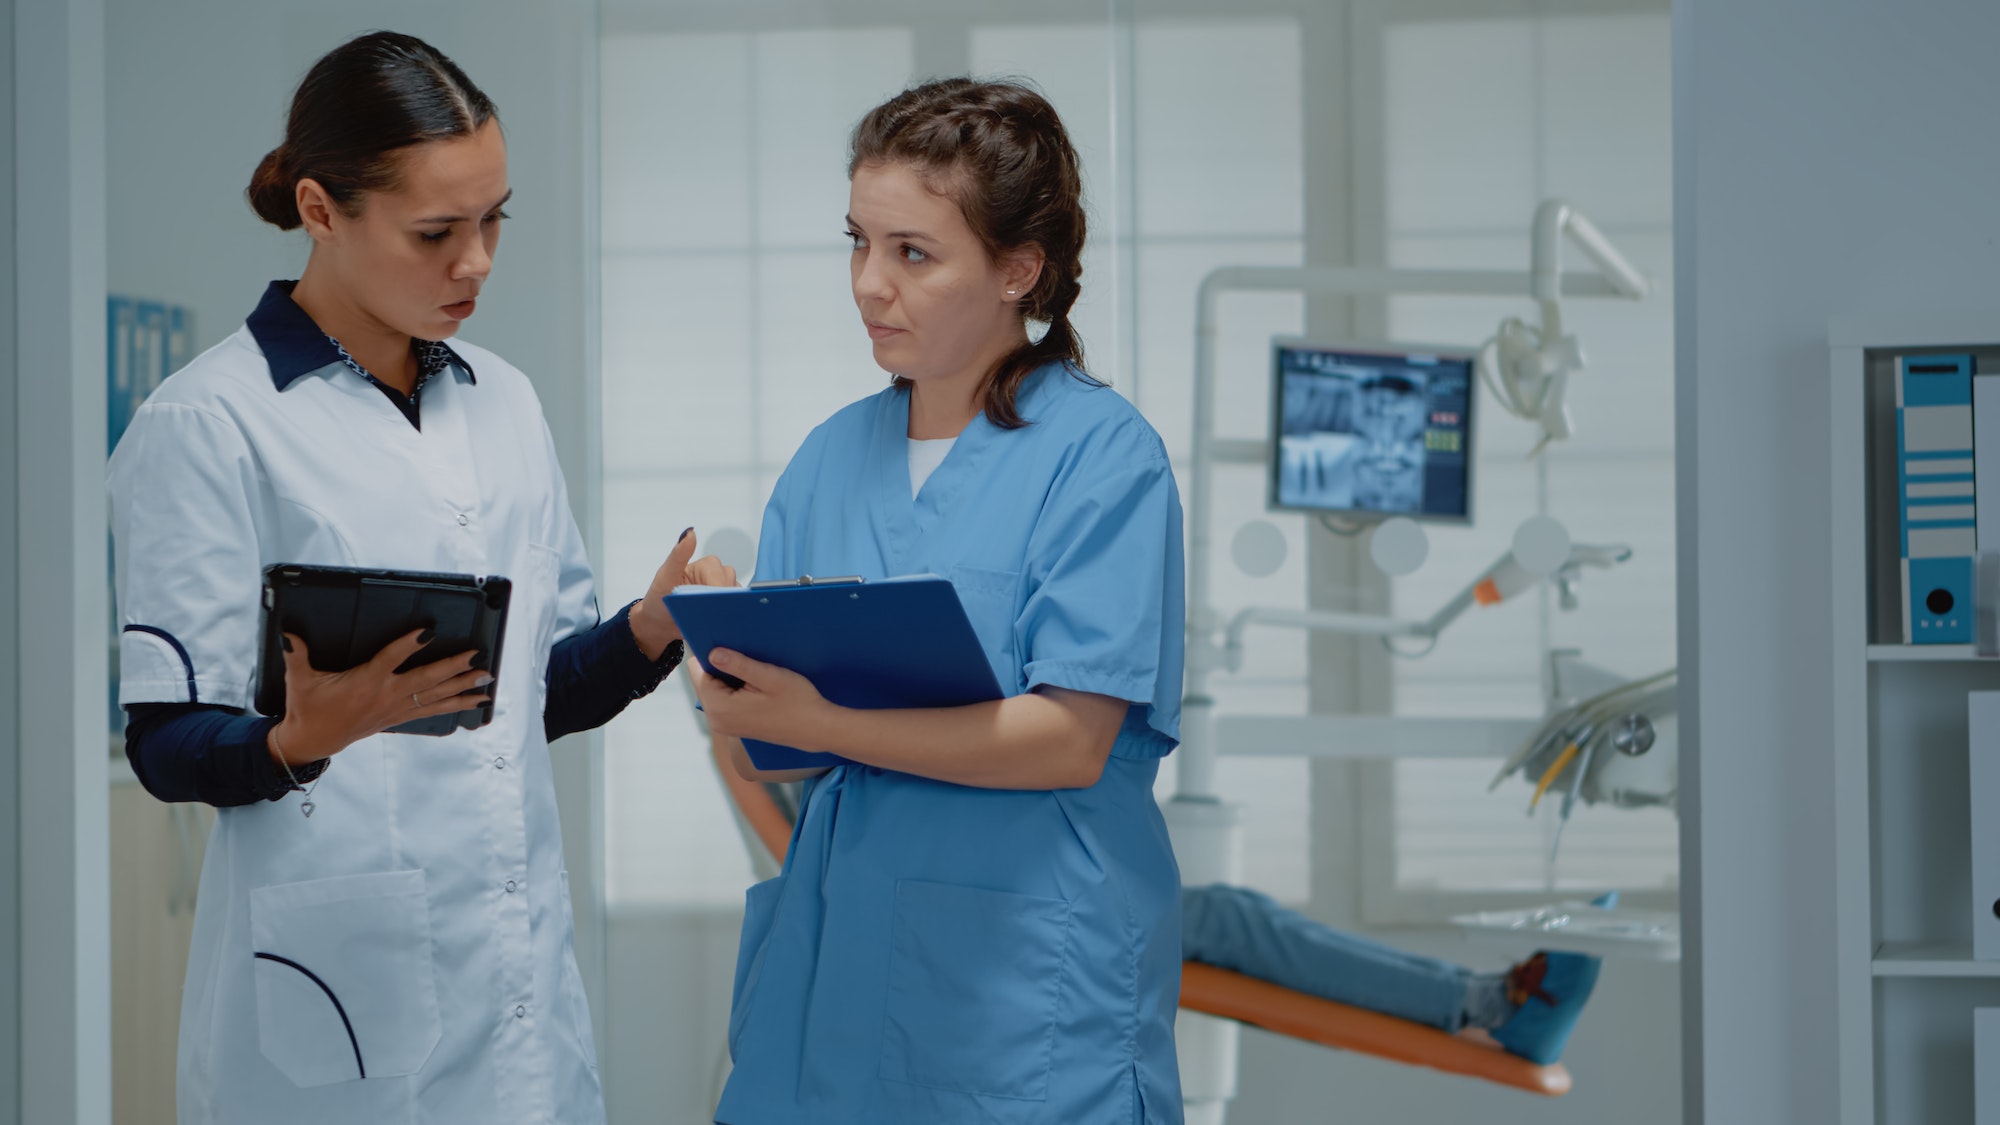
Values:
[(1526, 368)]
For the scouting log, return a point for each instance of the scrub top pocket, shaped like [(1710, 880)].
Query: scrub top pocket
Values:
[(760, 909), (346, 987), (962, 956)]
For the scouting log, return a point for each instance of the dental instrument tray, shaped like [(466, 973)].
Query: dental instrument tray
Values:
[(895, 643), (1582, 927), (347, 615)]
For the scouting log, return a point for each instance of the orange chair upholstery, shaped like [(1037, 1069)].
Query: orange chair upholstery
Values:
[(1259, 1003), (1219, 992)]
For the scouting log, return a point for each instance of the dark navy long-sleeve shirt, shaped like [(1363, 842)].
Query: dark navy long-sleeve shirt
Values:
[(218, 755)]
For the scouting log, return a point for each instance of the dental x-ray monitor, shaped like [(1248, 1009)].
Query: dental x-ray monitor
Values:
[(1367, 434)]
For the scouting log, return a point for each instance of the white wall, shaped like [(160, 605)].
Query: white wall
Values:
[(10, 593), (1830, 158)]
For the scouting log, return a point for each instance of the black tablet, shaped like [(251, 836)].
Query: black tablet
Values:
[(347, 616)]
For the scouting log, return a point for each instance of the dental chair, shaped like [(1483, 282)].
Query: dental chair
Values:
[(767, 830)]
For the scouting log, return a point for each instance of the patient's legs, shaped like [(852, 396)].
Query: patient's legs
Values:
[(1239, 929)]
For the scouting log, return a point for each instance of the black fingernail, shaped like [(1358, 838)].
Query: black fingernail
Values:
[(287, 642), (427, 636), (684, 535)]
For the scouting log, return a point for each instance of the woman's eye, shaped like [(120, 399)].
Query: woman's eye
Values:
[(854, 239), (912, 254), (497, 216), (433, 236)]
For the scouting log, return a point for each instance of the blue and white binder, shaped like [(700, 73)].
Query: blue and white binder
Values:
[(1936, 497)]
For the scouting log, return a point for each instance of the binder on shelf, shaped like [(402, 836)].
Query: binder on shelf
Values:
[(1983, 754), (1936, 497), (1986, 462), (1986, 1066)]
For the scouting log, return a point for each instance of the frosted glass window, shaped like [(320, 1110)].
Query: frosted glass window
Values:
[(669, 833), (1486, 118), (1460, 128), (676, 141), (1605, 93), (812, 89), (1219, 120), (676, 346), (1073, 66), (726, 301), (1170, 273), (813, 357)]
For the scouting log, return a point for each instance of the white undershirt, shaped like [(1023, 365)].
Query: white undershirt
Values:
[(925, 457)]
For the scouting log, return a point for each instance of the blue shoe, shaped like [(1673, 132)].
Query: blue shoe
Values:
[(1550, 989)]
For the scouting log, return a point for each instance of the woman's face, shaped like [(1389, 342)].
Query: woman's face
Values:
[(415, 257), (934, 303)]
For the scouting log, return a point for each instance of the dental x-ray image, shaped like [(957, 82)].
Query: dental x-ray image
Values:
[(1373, 433)]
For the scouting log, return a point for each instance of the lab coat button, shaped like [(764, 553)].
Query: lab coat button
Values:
[(499, 763), (521, 1012), (510, 886), (463, 519)]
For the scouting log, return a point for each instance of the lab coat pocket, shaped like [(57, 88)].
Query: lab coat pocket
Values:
[(992, 602), (760, 910), (346, 987), (975, 982)]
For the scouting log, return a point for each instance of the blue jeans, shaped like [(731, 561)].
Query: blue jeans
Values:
[(1235, 928)]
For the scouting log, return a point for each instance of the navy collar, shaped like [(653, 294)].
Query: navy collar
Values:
[(293, 345)]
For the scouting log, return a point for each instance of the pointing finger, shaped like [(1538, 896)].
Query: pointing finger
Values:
[(677, 559)]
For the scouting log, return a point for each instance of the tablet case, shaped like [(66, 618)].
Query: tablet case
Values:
[(902, 642), (347, 615)]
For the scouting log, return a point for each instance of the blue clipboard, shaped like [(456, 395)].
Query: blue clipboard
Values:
[(900, 642)]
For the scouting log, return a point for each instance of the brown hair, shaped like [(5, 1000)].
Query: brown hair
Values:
[(359, 105), (999, 150)]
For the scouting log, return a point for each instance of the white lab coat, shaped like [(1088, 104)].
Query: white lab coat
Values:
[(418, 925)]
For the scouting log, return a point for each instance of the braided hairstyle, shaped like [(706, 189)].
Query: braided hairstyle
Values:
[(358, 106), (999, 150)]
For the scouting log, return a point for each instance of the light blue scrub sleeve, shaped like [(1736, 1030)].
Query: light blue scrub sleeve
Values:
[(1105, 609), (772, 564)]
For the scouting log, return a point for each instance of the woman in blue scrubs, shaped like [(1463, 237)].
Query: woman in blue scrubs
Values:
[(979, 920)]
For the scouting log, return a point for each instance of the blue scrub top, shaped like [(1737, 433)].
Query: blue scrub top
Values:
[(935, 953)]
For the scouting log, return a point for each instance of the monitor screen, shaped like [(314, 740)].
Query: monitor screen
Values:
[(1373, 434)]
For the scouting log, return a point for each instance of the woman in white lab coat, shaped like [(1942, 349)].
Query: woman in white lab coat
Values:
[(384, 928)]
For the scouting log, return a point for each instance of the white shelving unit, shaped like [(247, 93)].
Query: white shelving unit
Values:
[(1907, 983)]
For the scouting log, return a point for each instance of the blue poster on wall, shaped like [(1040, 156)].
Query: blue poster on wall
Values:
[(145, 341)]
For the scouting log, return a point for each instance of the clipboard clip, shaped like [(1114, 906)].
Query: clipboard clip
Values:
[(808, 580)]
